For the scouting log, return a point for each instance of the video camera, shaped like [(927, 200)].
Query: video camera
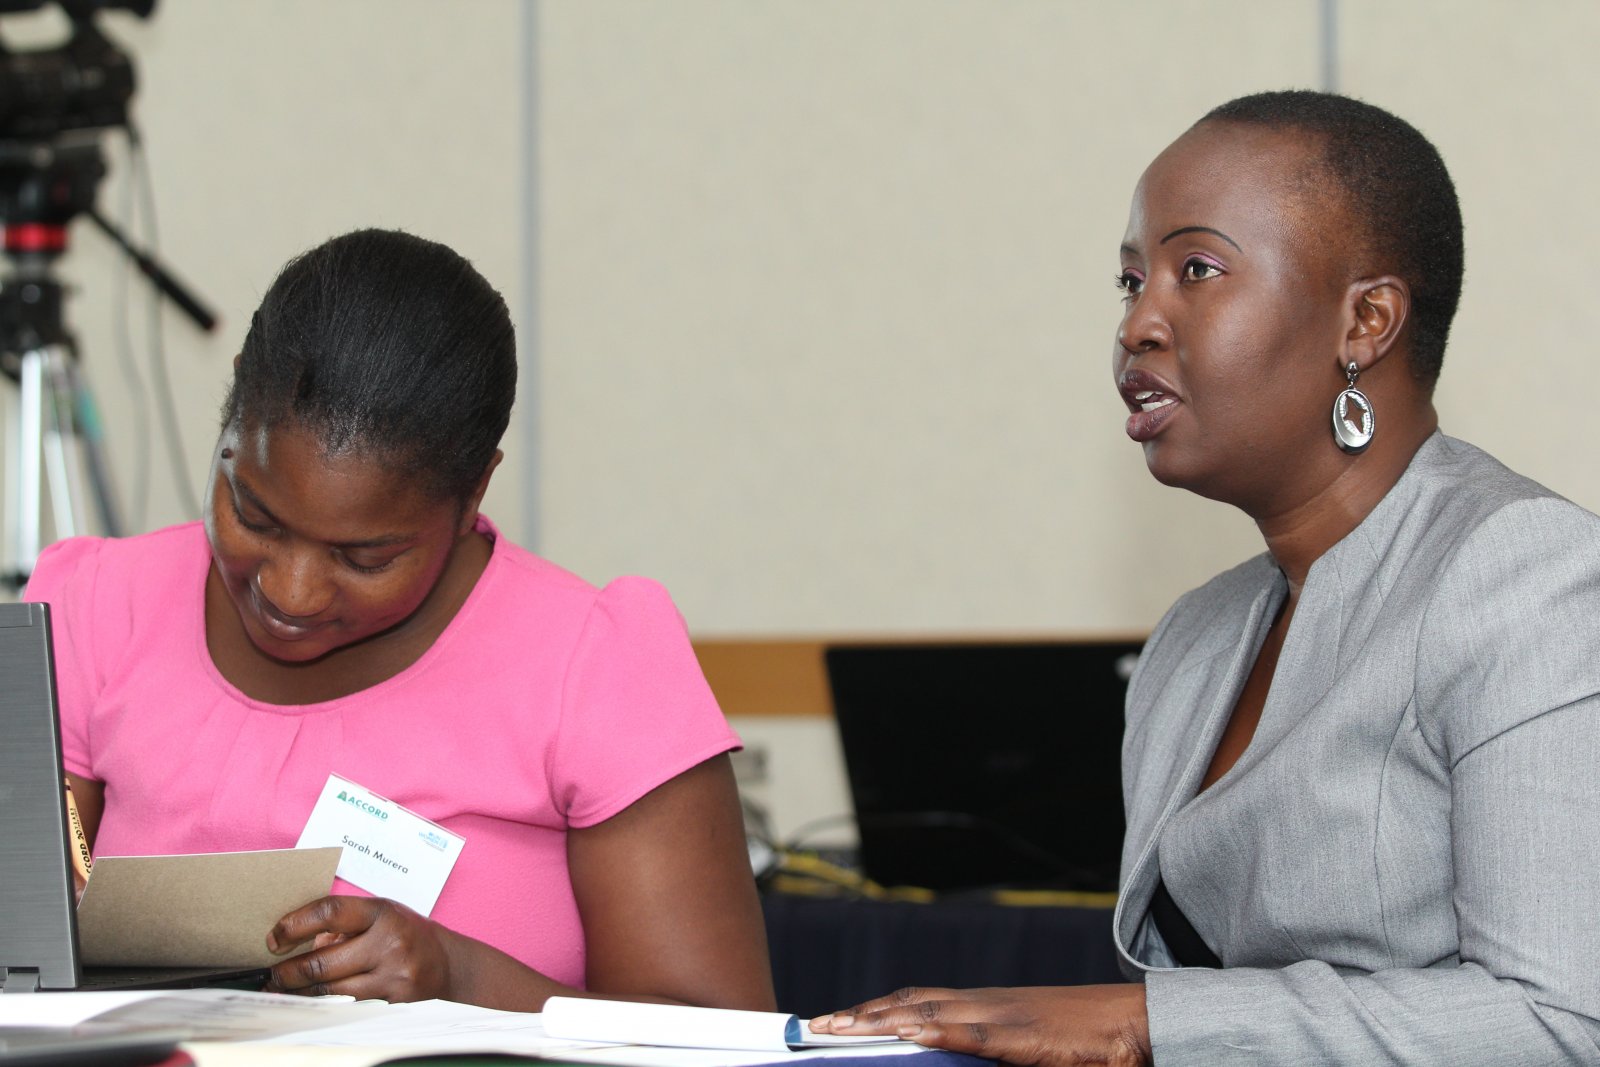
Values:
[(84, 83)]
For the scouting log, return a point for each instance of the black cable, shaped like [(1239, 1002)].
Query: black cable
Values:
[(165, 398), (797, 839)]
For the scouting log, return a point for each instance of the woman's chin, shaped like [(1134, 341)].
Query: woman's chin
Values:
[(293, 655), (1169, 466), (1178, 470)]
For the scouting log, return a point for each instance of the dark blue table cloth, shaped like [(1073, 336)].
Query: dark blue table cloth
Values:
[(830, 952)]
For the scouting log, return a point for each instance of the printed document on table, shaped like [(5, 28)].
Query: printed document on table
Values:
[(212, 1014), (440, 1026), (682, 1026)]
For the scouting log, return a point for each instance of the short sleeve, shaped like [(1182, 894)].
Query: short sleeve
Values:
[(635, 708), (65, 578)]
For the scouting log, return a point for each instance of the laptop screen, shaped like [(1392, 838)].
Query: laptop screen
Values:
[(38, 931), (980, 765)]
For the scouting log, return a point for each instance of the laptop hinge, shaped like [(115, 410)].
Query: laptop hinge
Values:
[(19, 980)]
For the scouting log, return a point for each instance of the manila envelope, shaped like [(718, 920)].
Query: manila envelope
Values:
[(196, 911)]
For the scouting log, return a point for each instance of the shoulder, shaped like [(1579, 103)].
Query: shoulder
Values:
[(1511, 620), (1454, 493), (111, 571), (631, 707), (534, 591), (1481, 527)]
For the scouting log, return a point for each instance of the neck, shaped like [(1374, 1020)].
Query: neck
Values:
[(1299, 535)]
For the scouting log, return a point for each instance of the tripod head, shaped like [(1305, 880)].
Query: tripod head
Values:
[(43, 186)]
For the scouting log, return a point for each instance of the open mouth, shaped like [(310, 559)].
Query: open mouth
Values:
[(1150, 400), (1150, 405)]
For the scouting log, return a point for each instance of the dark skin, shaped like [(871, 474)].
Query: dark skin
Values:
[(1247, 293), (330, 573)]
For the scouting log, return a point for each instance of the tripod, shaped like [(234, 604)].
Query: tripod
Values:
[(56, 436), (43, 186), (56, 440)]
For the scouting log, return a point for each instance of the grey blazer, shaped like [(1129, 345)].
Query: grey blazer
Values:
[(1404, 866)]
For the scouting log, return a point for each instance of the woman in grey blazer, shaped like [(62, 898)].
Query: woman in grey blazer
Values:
[(1362, 770)]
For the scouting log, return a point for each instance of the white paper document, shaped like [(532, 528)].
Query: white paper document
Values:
[(683, 1027), (209, 1014), (441, 1026)]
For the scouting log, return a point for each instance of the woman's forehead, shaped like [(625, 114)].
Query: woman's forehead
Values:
[(1264, 183), (292, 459)]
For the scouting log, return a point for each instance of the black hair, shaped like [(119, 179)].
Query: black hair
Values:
[(1395, 186), (385, 342)]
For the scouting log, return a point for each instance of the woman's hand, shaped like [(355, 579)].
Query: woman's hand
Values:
[(1049, 1026), (364, 947)]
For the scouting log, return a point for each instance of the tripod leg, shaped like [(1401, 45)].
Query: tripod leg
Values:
[(92, 448), (11, 496), (30, 447), (65, 488), (57, 439)]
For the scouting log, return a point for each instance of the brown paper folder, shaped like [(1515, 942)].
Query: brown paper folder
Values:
[(196, 911)]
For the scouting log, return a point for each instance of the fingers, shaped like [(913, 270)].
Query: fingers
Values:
[(862, 1018), (365, 947), (332, 915), (1030, 1026), (974, 1039), (343, 967)]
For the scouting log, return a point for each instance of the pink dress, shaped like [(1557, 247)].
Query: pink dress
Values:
[(545, 704)]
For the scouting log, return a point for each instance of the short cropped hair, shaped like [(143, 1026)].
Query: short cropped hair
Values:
[(1395, 186), (383, 342)]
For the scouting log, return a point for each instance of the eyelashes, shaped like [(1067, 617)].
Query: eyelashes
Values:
[(264, 531), (253, 527), (1195, 269)]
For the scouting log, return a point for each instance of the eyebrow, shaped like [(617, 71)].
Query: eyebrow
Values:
[(242, 488), (1202, 229)]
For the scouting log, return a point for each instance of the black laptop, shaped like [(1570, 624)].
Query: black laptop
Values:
[(38, 921), (981, 765)]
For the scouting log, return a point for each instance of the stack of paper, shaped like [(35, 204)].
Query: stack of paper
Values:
[(227, 1028)]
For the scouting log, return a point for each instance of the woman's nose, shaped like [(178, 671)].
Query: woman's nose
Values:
[(1144, 324), (294, 584)]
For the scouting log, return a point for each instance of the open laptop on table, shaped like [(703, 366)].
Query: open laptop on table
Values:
[(985, 764), (38, 920)]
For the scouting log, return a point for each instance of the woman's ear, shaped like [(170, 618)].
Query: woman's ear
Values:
[(1379, 309), (469, 512)]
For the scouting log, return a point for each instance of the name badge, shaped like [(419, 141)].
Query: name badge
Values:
[(388, 851)]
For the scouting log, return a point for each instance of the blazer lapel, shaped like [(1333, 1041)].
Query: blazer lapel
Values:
[(1223, 675)]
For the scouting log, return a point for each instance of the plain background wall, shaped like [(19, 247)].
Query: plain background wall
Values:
[(818, 293), (827, 311)]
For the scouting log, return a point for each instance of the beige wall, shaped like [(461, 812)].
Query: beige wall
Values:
[(827, 303)]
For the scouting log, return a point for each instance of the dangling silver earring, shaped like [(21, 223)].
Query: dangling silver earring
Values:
[(1353, 435)]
